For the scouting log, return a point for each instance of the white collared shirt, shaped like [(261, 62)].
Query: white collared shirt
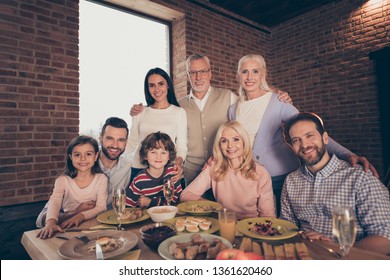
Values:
[(118, 176), (200, 102)]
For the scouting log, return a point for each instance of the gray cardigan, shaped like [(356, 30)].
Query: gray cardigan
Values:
[(269, 147)]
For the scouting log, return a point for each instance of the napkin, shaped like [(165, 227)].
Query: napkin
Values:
[(130, 255)]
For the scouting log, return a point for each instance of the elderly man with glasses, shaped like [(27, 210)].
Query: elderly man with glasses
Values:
[(206, 107)]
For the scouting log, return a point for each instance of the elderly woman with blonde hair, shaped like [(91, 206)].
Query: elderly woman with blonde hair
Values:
[(261, 114), (238, 182)]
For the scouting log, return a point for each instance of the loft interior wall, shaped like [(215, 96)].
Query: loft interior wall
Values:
[(320, 58)]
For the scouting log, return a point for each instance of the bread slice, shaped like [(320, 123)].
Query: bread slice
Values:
[(268, 251), (256, 248), (302, 251), (289, 251), (279, 252), (246, 245)]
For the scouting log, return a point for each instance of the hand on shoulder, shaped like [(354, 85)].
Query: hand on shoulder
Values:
[(136, 109)]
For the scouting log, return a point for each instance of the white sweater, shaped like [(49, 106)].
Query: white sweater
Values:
[(172, 121)]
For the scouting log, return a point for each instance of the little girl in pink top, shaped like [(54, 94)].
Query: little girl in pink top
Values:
[(80, 192), (237, 181)]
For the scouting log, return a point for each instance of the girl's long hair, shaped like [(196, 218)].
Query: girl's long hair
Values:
[(248, 165), (70, 170), (171, 91)]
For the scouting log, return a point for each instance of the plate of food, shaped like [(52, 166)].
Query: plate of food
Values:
[(192, 246), (112, 242), (267, 228), (199, 207), (129, 216), (192, 224)]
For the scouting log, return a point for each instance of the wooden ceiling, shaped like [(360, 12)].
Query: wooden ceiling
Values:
[(270, 12)]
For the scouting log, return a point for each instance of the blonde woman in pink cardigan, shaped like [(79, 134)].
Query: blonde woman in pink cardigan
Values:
[(238, 182)]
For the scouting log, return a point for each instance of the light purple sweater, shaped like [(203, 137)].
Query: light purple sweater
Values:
[(269, 147)]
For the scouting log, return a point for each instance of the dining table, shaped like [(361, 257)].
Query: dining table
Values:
[(48, 249)]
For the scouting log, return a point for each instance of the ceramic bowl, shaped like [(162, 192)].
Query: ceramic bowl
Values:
[(160, 214)]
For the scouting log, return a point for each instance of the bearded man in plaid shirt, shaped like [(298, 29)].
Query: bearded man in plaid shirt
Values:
[(324, 181)]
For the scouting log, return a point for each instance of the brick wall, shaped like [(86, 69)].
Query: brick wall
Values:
[(322, 59), (224, 40), (38, 95)]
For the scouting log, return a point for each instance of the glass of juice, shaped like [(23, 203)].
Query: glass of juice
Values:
[(227, 224)]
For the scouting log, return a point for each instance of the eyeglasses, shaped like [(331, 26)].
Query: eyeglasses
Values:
[(200, 72)]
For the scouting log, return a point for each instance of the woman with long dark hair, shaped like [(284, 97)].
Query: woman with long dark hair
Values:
[(162, 113)]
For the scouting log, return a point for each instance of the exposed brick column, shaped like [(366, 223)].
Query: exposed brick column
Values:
[(39, 96)]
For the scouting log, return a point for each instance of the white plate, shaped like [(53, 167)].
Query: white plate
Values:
[(75, 249), (163, 249)]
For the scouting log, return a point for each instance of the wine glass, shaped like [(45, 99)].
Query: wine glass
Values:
[(343, 228), (119, 204), (168, 190)]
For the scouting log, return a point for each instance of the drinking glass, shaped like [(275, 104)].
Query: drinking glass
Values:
[(168, 190), (119, 204), (343, 228), (227, 224)]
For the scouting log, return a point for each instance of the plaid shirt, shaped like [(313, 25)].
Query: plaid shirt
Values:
[(307, 199)]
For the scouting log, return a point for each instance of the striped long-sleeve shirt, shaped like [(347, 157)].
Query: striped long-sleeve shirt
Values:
[(146, 185)]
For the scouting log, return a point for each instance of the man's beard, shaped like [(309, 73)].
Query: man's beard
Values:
[(320, 154), (107, 154)]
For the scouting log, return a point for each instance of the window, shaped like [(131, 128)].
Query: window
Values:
[(117, 48)]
